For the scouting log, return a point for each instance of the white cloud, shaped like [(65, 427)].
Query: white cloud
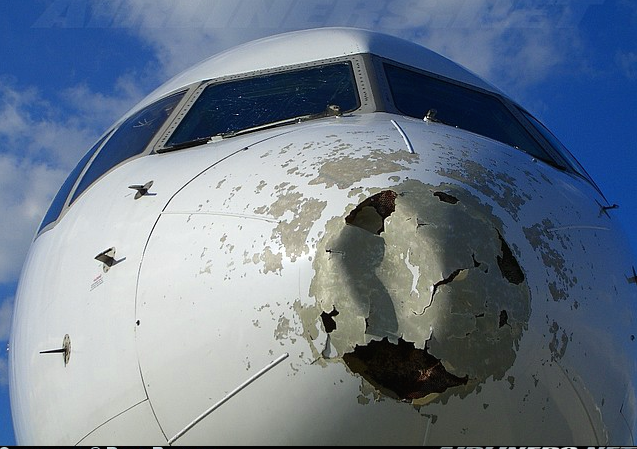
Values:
[(627, 62), (33, 127), (512, 44), (183, 33), (6, 313), (26, 188), (176, 30), (4, 371), (12, 121), (61, 128), (41, 140), (96, 110)]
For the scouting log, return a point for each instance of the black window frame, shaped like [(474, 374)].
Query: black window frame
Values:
[(59, 202), (551, 140), (361, 77), (440, 90), (73, 186), (106, 160), (564, 162)]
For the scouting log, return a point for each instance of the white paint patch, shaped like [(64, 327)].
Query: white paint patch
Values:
[(415, 272)]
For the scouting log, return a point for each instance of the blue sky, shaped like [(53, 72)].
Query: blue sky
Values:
[(70, 68)]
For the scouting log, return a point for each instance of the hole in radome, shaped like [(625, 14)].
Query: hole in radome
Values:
[(508, 264), (504, 318), (401, 370), (328, 320), (446, 198), (371, 213)]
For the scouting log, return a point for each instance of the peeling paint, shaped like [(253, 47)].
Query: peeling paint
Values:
[(542, 239), (344, 170), (260, 187), (271, 262), (442, 196), (296, 215), (410, 267), (283, 328), (415, 271), (509, 266), (499, 186), (558, 344)]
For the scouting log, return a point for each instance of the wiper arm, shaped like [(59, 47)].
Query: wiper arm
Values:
[(288, 121), (238, 132), (331, 111), (187, 144), (431, 117)]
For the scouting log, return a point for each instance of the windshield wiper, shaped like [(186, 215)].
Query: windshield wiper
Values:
[(431, 117), (332, 110), (288, 121), (187, 144)]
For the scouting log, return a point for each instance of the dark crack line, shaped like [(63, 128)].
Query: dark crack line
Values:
[(447, 280)]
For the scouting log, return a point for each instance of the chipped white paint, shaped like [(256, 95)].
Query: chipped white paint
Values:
[(425, 282), (415, 272)]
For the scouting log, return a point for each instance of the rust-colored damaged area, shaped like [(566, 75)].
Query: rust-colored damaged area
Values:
[(418, 293), (400, 370)]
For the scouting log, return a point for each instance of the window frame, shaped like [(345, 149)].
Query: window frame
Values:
[(74, 196), (97, 148), (366, 100), (77, 173), (566, 163)]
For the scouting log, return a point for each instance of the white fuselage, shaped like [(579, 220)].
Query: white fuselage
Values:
[(364, 278)]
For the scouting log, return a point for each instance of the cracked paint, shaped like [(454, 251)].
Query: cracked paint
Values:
[(543, 239), (415, 271), (559, 343), (296, 215), (272, 262), (425, 274), (344, 170), (406, 284), (497, 185), (260, 187)]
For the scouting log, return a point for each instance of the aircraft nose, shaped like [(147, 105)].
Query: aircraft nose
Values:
[(419, 279)]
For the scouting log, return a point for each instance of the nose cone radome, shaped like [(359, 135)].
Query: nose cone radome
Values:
[(419, 292)]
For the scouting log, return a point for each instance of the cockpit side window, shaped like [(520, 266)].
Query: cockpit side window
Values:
[(129, 139), (230, 107), (559, 147), (57, 204), (418, 95)]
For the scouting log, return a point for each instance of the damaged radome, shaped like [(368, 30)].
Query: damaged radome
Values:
[(372, 212), (408, 296), (401, 370)]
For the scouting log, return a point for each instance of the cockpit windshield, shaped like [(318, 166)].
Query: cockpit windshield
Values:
[(420, 95), (227, 108)]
